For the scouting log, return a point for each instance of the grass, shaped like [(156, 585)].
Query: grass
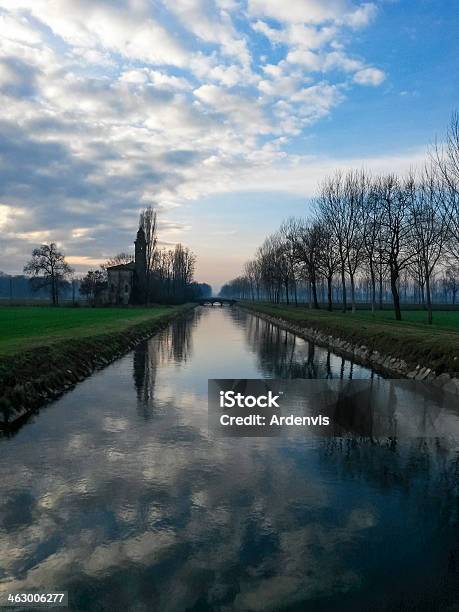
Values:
[(435, 346), (442, 319), (26, 327)]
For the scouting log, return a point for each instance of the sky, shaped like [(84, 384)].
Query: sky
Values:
[(223, 114)]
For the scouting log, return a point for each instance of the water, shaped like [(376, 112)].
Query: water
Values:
[(118, 493)]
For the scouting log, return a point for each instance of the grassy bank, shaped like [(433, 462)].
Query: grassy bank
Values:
[(44, 351), (412, 340), (24, 327)]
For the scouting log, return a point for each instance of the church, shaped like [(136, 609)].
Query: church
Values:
[(127, 283)]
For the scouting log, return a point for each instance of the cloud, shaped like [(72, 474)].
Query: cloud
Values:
[(17, 79), (313, 37), (107, 106), (212, 26), (370, 76), (131, 32), (314, 11)]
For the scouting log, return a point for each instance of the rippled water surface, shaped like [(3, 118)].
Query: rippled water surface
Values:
[(118, 493)]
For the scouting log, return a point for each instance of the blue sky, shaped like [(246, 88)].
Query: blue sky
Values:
[(224, 114)]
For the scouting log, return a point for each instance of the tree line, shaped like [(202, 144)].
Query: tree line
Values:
[(376, 232), (169, 271)]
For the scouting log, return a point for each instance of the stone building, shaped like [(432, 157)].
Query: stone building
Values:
[(127, 283)]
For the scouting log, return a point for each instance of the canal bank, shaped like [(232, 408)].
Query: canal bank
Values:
[(36, 376), (395, 353)]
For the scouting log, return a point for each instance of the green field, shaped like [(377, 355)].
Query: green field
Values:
[(442, 319), (26, 327), (412, 339)]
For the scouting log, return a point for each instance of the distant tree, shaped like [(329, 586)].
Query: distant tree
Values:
[(333, 212), (451, 282), (121, 258), (398, 247), (430, 224), (48, 269), (328, 261), (308, 249), (371, 233), (290, 232), (93, 285), (446, 159), (251, 273)]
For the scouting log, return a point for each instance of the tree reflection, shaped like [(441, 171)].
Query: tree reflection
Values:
[(173, 345), (282, 354)]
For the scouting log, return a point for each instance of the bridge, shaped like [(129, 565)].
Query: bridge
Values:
[(215, 300)]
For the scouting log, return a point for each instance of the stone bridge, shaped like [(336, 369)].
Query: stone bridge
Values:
[(215, 300)]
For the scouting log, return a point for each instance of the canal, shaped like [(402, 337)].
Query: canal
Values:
[(118, 493)]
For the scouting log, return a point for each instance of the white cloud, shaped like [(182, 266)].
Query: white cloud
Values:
[(370, 76), (214, 26), (132, 33), (362, 15), (312, 35), (106, 106), (313, 11)]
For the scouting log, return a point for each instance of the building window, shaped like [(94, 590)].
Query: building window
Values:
[(126, 288), (112, 287)]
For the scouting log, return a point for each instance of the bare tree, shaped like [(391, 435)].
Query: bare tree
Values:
[(446, 159), (371, 234), (356, 194), (148, 222), (451, 282), (290, 234), (328, 260), (120, 258), (251, 270), (430, 225), (308, 249), (48, 268), (93, 285), (331, 210), (396, 230)]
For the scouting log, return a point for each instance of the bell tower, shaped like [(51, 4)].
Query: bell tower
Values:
[(141, 266)]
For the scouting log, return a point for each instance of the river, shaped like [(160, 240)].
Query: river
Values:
[(118, 493)]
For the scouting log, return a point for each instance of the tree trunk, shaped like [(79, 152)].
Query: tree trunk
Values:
[(373, 288), (314, 293), (53, 289), (353, 292), (343, 283), (428, 298), (395, 295), (329, 293)]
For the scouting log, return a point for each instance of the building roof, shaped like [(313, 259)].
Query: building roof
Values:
[(126, 266)]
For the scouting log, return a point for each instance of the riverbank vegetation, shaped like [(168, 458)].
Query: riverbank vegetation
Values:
[(367, 238), (413, 340)]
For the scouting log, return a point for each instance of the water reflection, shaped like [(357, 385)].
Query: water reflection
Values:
[(282, 354), (173, 344), (118, 493)]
